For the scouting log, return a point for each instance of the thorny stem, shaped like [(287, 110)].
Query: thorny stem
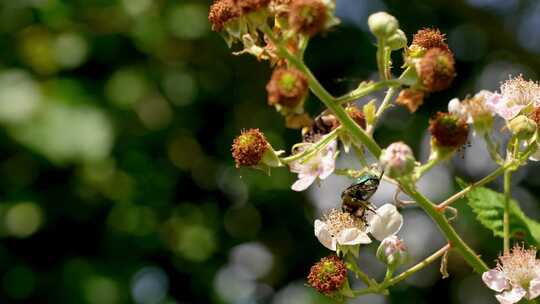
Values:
[(381, 64), (402, 276), (321, 144), (432, 162), (506, 215), (364, 90), (466, 252), (384, 105), (493, 175)]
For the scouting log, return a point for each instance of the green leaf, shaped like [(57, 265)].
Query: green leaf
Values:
[(488, 206)]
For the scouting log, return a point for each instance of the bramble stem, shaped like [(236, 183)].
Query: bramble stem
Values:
[(432, 162), (453, 238), (402, 276), (323, 142), (506, 215), (432, 258), (384, 105), (364, 90)]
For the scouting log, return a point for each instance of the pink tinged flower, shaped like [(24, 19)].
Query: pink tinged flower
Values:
[(342, 228), (319, 166), (516, 276), (515, 94)]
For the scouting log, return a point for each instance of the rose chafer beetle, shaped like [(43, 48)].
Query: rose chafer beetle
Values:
[(355, 198)]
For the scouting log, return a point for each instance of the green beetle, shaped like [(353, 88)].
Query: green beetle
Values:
[(355, 198)]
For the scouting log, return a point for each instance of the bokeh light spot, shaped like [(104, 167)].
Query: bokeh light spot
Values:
[(23, 219)]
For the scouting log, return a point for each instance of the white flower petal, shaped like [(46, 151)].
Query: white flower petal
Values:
[(495, 280), (353, 236), (303, 183), (387, 221), (513, 296), (322, 234), (534, 288), (454, 107)]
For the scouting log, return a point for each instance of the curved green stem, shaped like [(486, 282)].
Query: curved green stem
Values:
[(364, 90), (453, 238), (490, 177), (402, 276), (319, 145), (506, 215)]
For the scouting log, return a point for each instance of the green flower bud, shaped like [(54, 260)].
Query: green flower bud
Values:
[(397, 41), (382, 24), (522, 127), (392, 251), (397, 160)]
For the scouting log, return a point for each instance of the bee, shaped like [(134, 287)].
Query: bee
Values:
[(323, 124), (355, 198)]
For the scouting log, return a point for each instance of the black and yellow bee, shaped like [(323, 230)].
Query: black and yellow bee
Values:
[(355, 198)]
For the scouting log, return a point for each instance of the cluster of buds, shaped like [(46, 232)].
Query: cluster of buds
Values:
[(431, 67), (386, 28), (246, 21)]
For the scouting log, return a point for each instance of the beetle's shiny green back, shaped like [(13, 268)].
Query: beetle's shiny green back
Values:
[(364, 178)]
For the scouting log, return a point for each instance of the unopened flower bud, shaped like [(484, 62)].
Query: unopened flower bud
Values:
[(308, 16), (397, 160), (397, 41), (288, 87), (328, 275), (436, 69), (382, 24), (448, 130), (392, 251), (522, 127), (411, 99), (356, 114), (430, 38), (252, 149)]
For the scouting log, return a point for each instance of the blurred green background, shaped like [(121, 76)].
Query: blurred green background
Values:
[(116, 181)]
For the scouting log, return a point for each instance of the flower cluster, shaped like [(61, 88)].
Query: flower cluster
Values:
[(431, 67), (279, 30)]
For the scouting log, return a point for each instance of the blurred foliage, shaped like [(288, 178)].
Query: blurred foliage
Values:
[(116, 120)]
